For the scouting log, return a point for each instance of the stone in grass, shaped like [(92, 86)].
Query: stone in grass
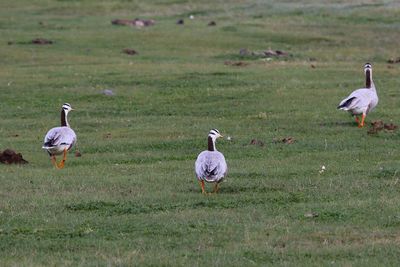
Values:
[(180, 22), (108, 92)]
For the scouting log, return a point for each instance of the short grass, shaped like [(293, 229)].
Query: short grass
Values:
[(133, 199)]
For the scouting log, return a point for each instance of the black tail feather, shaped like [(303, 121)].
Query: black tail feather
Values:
[(347, 103)]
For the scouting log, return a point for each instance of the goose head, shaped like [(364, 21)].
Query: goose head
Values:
[(214, 134), (212, 137), (67, 108), (367, 68)]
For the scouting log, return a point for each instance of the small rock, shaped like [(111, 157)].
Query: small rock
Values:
[(212, 23), (108, 92), (191, 17), (78, 153), (180, 22), (10, 43)]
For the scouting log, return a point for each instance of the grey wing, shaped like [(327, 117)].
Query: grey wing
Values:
[(359, 99), (60, 136)]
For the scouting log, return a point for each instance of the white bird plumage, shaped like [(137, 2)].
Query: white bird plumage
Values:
[(59, 140), (363, 100), (210, 165)]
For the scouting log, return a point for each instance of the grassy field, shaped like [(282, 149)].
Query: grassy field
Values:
[(133, 198)]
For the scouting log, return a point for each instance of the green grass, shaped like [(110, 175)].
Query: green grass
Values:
[(133, 198)]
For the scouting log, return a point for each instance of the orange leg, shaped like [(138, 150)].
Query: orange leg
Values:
[(63, 160), (358, 120), (55, 162), (202, 188), (216, 188), (362, 124)]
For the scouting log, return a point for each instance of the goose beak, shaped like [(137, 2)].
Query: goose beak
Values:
[(72, 109), (220, 136)]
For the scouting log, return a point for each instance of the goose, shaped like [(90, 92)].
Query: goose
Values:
[(59, 140), (210, 165), (363, 100)]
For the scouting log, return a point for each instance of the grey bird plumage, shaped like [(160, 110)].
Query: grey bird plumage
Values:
[(210, 165), (58, 140), (363, 100)]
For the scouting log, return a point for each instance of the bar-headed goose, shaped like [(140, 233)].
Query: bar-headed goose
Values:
[(210, 165), (60, 139), (363, 100)]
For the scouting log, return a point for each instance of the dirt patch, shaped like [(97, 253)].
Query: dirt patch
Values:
[(8, 156), (394, 60), (286, 140), (129, 51), (311, 215), (378, 126), (276, 53), (137, 22), (42, 41), (78, 153), (255, 142), (240, 63)]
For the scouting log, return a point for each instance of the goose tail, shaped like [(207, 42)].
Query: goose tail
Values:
[(346, 103)]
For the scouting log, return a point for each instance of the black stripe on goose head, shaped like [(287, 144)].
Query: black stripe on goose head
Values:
[(66, 106), (214, 132)]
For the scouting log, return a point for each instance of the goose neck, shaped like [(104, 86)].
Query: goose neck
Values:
[(64, 119), (211, 144), (368, 79)]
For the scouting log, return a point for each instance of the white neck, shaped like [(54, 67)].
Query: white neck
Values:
[(64, 118)]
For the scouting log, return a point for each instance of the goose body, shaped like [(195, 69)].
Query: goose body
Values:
[(361, 101), (210, 165), (59, 140)]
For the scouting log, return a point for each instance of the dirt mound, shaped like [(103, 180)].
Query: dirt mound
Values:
[(378, 125), (42, 41), (287, 140), (8, 156), (136, 22), (255, 142)]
